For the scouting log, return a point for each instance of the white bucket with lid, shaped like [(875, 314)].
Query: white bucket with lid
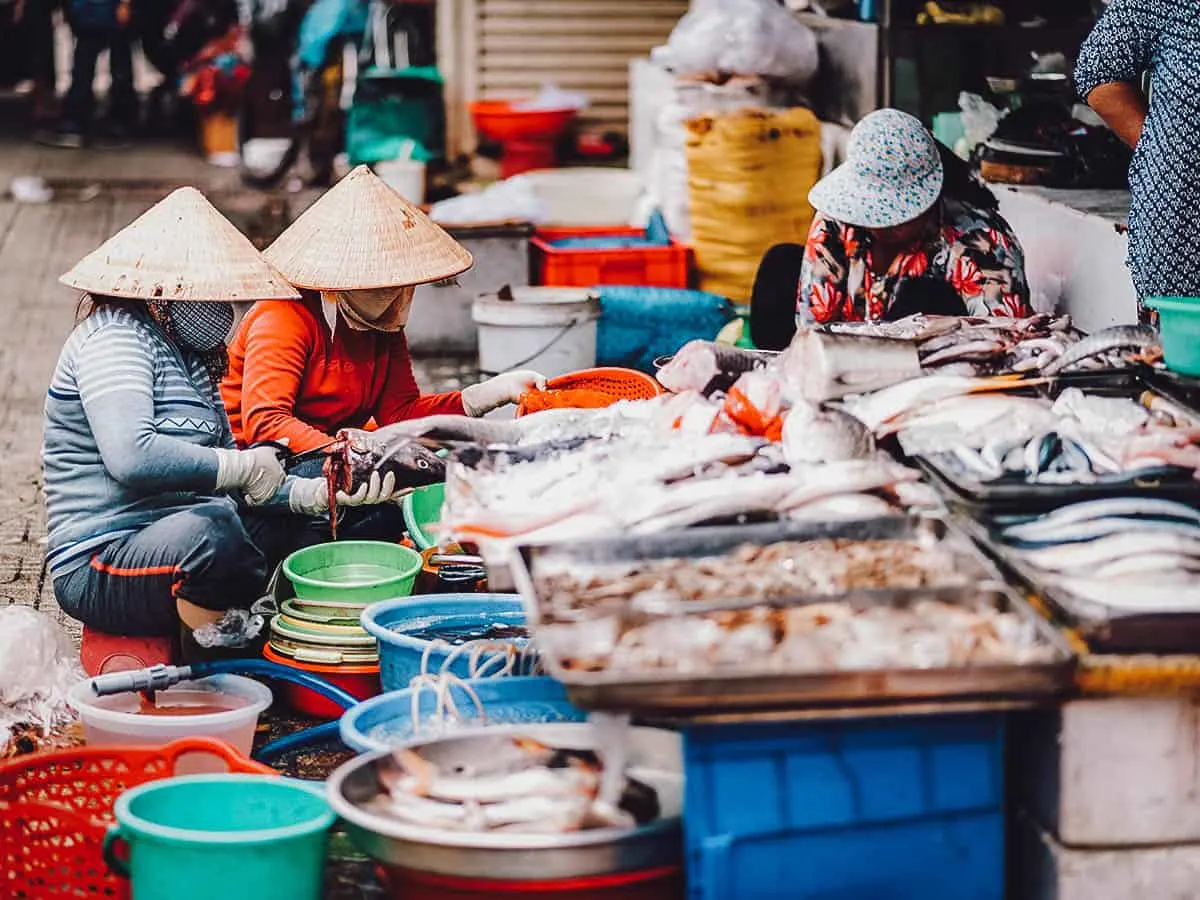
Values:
[(551, 330)]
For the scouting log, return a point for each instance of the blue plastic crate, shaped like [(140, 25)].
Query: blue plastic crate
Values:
[(876, 809)]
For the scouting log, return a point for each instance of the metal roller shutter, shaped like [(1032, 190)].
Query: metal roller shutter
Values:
[(512, 47)]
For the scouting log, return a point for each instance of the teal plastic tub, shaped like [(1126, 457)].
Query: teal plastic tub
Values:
[(1179, 327), (422, 509), (236, 837), (357, 572)]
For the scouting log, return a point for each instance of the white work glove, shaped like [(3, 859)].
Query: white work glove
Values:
[(310, 496), (257, 473), (480, 399)]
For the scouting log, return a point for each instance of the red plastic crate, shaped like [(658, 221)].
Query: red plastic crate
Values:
[(643, 266)]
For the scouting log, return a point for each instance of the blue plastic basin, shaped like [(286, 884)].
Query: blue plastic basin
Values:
[(393, 622), (386, 721)]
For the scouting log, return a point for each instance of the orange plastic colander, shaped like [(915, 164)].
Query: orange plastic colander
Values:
[(591, 388)]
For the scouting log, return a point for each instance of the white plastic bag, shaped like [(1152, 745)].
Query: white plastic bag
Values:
[(552, 97), (511, 200), (38, 666), (741, 37), (980, 119)]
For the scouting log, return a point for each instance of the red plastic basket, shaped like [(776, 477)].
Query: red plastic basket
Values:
[(55, 808), (618, 383), (642, 266)]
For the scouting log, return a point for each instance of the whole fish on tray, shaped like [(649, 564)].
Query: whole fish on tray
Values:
[(511, 785)]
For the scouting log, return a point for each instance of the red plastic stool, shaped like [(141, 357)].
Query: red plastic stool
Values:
[(102, 653)]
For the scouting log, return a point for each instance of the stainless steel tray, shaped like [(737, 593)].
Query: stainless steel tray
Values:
[(730, 689)]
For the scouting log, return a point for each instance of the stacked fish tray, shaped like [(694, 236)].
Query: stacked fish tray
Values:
[(325, 638), (839, 686)]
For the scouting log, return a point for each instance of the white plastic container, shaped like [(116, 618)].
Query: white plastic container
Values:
[(404, 176), (586, 197), (112, 720), (551, 330)]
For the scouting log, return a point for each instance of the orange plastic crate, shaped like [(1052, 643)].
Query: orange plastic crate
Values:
[(641, 266)]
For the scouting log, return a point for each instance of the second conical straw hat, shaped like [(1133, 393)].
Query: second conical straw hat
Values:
[(361, 234), (181, 248)]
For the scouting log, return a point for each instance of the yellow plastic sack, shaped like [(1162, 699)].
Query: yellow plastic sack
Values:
[(749, 174)]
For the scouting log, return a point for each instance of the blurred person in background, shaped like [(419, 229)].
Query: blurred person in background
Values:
[(1162, 38), (99, 26)]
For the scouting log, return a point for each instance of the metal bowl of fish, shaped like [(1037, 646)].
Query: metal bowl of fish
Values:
[(529, 802)]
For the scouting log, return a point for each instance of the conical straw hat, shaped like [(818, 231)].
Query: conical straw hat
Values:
[(181, 248), (363, 235)]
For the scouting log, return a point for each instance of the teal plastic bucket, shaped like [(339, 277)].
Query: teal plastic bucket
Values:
[(423, 508), (232, 837), (1179, 328), (359, 572)]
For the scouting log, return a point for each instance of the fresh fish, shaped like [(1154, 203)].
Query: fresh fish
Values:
[(357, 454), (1040, 535), (976, 464), (1084, 557), (918, 328), (1151, 564), (1136, 596), (887, 405), (971, 350), (1101, 415), (822, 367), (708, 367), (843, 506), (957, 419), (816, 435), (1132, 337), (1127, 507)]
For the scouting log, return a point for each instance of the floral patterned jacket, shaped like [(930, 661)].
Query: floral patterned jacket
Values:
[(973, 249)]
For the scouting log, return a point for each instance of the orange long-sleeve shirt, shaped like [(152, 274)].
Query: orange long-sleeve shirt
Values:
[(290, 378)]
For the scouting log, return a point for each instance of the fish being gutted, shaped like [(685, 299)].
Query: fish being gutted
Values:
[(356, 455)]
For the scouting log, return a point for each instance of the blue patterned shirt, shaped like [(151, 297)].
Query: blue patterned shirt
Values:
[(1161, 37)]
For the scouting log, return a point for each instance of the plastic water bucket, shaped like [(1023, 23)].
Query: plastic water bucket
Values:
[(353, 571), (109, 720), (1179, 328), (550, 330), (404, 176), (236, 837)]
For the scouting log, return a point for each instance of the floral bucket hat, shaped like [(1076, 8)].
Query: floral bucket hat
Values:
[(892, 173)]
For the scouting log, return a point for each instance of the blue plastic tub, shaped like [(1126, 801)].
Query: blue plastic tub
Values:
[(392, 622), (639, 324), (386, 721), (900, 808)]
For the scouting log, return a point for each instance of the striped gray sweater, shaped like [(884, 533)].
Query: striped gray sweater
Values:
[(131, 423)]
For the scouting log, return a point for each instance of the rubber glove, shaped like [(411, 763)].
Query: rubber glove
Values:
[(480, 399), (310, 496), (258, 473)]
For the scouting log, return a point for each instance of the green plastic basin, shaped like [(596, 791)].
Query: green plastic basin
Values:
[(359, 572), (422, 508), (1179, 327)]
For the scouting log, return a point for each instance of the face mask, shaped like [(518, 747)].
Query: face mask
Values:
[(385, 309), (202, 327)]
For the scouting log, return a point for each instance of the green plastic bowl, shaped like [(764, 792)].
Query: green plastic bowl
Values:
[(358, 572), (422, 508), (1179, 327)]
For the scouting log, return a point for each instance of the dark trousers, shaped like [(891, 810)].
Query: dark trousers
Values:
[(40, 14), (773, 298), (80, 102)]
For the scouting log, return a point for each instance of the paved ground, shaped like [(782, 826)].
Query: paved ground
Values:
[(97, 193)]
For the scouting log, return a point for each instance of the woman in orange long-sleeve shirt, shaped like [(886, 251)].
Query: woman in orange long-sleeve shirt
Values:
[(299, 371)]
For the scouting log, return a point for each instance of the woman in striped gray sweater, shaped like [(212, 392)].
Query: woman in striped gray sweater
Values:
[(155, 517)]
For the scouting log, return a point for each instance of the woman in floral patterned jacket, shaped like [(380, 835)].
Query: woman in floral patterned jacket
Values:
[(901, 227)]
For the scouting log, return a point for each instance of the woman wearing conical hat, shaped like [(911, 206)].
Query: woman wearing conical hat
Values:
[(339, 358), (155, 517)]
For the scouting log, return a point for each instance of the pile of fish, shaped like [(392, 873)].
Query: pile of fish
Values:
[(511, 786), (1079, 438), (1041, 345), (786, 570), (1128, 555)]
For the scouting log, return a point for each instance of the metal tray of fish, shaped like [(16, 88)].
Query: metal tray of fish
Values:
[(1103, 629), (1013, 495), (746, 687)]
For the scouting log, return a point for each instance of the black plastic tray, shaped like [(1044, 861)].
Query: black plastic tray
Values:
[(1013, 497), (1104, 630)]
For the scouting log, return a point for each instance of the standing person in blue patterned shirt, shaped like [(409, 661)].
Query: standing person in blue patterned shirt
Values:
[(1162, 38)]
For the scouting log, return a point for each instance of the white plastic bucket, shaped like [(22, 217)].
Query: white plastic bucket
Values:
[(406, 177), (108, 720), (550, 330)]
